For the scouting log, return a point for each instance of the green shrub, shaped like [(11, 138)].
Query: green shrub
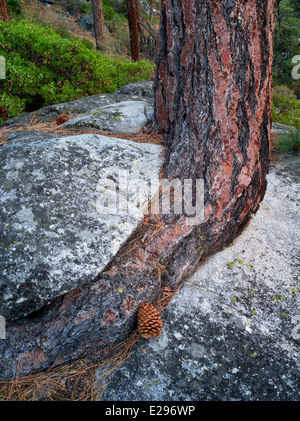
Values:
[(76, 7), (118, 6), (116, 22), (85, 8), (10, 106), (109, 12), (283, 91), (289, 142), (119, 42), (87, 43), (41, 64), (285, 106), (64, 33), (14, 8), (286, 110)]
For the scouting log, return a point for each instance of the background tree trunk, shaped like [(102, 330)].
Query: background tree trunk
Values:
[(133, 19), (98, 24), (213, 105), (4, 11)]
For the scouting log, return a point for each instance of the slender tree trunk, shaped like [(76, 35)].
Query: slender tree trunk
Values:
[(213, 96), (133, 20), (4, 11), (98, 24)]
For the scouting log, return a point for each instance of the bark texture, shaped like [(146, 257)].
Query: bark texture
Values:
[(212, 103), (4, 11), (133, 6), (98, 24)]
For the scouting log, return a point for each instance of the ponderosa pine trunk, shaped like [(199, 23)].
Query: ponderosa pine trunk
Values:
[(98, 24), (4, 11), (213, 105), (133, 19)]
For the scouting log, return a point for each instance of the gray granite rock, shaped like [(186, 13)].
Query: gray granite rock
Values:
[(280, 129), (139, 91), (232, 332), (79, 106), (87, 23), (143, 89), (127, 117), (55, 234)]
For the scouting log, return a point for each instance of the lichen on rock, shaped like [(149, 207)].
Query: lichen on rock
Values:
[(53, 236)]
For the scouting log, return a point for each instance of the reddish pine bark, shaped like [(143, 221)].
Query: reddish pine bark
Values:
[(98, 24), (4, 11), (133, 19), (213, 86), (213, 103)]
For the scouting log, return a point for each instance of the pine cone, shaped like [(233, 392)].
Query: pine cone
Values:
[(148, 321), (62, 118)]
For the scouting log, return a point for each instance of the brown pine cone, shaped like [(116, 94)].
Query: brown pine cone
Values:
[(62, 118), (149, 322)]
